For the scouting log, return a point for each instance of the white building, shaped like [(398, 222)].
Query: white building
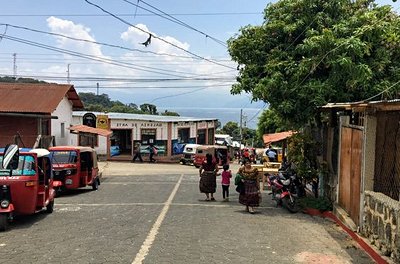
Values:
[(167, 133)]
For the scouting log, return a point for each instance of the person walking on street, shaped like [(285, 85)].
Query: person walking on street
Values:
[(208, 181), (153, 151), (225, 182), (251, 195), (137, 153)]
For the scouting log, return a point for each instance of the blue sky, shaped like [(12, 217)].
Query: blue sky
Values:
[(220, 19)]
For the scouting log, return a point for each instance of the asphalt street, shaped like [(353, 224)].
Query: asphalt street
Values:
[(154, 213)]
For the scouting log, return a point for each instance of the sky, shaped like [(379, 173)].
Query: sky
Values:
[(185, 65)]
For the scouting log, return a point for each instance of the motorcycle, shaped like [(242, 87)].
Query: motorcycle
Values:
[(286, 188)]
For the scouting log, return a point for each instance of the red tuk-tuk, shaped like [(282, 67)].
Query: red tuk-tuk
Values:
[(74, 167), (219, 153), (26, 183)]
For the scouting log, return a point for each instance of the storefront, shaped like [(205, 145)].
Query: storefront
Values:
[(167, 133)]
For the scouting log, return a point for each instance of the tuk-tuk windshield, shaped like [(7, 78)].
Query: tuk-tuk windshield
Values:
[(26, 167), (64, 156)]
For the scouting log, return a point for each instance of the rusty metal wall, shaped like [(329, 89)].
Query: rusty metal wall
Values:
[(387, 155)]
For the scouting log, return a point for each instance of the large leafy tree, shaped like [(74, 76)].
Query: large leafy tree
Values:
[(311, 52)]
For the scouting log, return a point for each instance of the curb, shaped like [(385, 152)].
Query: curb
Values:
[(366, 247)]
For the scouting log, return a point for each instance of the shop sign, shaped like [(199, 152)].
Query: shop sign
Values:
[(102, 121), (202, 125), (89, 119), (136, 125)]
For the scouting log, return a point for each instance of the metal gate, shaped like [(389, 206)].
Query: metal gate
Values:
[(350, 171)]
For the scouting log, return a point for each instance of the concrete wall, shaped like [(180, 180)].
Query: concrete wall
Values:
[(381, 223), (64, 114)]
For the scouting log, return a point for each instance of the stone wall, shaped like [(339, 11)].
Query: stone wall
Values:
[(381, 223)]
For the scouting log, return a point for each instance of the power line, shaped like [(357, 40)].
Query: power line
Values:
[(174, 20), (179, 94), (159, 38), (95, 42), (120, 79), (96, 58), (130, 15), (151, 87)]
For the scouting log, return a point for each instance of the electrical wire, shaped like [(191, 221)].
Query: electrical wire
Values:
[(174, 20), (119, 79), (95, 42), (130, 15), (174, 95), (156, 37), (96, 58)]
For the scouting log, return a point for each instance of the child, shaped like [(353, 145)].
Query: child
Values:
[(226, 176)]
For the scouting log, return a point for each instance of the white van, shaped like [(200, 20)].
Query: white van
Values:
[(188, 153)]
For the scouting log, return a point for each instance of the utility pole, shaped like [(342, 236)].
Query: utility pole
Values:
[(240, 131), (68, 79), (97, 85), (15, 65)]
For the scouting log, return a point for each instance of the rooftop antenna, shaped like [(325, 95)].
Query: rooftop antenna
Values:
[(15, 65), (68, 79)]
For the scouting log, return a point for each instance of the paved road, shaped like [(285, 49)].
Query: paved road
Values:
[(154, 213)]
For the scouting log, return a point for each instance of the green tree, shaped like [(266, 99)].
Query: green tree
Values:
[(149, 109), (231, 128), (311, 52), (169, 113), (270, 122)]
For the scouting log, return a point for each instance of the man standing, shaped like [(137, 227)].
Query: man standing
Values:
[(137, 153), (271, 154)]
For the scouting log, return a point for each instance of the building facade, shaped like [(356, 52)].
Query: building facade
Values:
[(167, 133), (36, 115)]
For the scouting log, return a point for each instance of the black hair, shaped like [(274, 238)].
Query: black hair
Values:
[(226, 167), (209, 158)]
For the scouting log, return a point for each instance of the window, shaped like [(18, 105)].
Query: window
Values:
[(62, 130), (148, 136), (183, 135), (89, 140), (201, 136)]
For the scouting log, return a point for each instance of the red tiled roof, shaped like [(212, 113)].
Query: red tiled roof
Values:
[(92, 130), (36, 97), (275, 137)]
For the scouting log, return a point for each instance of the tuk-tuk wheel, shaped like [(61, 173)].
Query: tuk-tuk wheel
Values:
[(95, 185), (3, 222), (50, 207)]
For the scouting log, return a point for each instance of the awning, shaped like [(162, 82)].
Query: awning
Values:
[(87, 129), (275, 137)]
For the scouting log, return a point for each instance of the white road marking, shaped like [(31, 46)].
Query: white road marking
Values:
[(144, 250)]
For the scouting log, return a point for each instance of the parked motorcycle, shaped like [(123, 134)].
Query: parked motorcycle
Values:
[(286, 188)]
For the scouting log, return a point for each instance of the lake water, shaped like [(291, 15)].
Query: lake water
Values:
[(224, 115)]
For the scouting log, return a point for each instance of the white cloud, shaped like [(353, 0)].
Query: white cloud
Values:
[(141, 65), (136, 36), (69, 28)]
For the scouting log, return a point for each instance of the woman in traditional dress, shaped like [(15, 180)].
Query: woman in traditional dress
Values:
[(208, 182), (251, 196)]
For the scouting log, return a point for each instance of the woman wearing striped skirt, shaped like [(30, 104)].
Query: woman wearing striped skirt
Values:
[(251, 196), (208, 182)]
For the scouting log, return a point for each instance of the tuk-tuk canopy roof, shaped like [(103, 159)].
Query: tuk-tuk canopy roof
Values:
[(72, 148), (40, 152), (275, 137), (212, 146), (91, 130)]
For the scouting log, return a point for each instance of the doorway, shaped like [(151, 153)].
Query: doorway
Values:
[(121, 143)]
